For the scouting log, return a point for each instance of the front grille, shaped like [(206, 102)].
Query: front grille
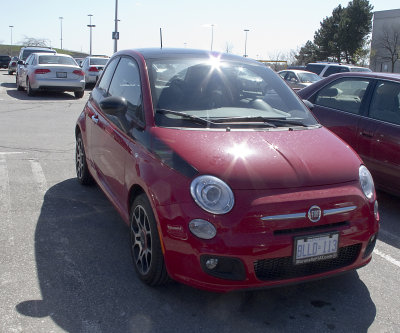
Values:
[(284, 268), (311, 228)]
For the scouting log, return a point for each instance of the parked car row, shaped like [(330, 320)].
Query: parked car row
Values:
[(43, 69)]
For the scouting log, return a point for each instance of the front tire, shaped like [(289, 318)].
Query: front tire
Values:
[(82, 172), (146, 251)]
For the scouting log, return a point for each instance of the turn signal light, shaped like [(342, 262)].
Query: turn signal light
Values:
[(42, 71)]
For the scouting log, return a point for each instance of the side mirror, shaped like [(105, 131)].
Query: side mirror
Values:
[(308, 104), (116, 106)]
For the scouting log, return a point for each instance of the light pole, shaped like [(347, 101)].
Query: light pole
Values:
[(11, 27), (116, 33), (212, 35), (90, 25), (245, 42), (61, 18)]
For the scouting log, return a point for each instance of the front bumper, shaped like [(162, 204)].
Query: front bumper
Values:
[(257, 253)]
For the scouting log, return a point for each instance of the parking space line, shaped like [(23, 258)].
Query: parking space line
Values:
[(5, 199), (38, 175), (387, 257)]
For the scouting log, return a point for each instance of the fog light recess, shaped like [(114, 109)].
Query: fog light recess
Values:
[(223, 267)]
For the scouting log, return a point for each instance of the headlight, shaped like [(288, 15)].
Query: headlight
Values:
[(212, 194), (366, 182)]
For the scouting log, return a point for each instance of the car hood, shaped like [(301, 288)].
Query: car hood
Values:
[(265, 159)]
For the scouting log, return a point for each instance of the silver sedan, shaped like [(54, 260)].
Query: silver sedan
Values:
[(51, 72)]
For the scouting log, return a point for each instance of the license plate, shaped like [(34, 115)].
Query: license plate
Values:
[(61, 75), (315, 248)]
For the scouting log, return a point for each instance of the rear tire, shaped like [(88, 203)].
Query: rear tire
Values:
[(82, 172), (29, 90), (147, 256), (79, 94), (19, 88)]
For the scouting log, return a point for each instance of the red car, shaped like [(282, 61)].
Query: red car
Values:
[(226, 179), (364, 110)]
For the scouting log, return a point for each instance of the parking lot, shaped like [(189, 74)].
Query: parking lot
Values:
[(66, 265)]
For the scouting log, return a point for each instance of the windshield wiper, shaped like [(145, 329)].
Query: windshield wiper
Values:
[(196, 119), (270, 121)]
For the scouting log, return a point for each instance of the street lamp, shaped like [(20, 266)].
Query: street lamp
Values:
[(245, 42), (61, 18), (11, 27), (90, 25), (115, 35)]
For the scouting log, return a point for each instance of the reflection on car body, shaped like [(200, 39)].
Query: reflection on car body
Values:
[(226, 179)]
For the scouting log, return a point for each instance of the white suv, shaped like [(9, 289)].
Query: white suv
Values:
[(324, 69)]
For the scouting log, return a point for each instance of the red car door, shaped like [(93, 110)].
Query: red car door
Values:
[(111, 141), (339, 107), (379, 143)]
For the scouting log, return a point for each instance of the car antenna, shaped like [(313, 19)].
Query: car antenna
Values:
[(161, 37)]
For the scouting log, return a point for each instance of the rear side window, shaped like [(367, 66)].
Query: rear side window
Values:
[(316, 68), (335, 69), (385, 103), (344, 95)]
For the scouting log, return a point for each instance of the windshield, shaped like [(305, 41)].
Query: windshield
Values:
[(191, 92), (60, 60), (98, 61), (308, 77)]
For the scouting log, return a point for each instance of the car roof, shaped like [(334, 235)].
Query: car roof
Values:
[(375, 75), (151, 53), (297, 71)]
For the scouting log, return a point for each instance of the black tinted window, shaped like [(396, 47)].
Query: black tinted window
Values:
[(126, 83), (317, 69), (385, 102), (335, 69)]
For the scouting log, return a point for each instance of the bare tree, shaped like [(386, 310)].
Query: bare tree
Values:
[(390, 45), (30, 41)]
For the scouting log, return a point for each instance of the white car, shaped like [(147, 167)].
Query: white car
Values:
[(93, 66), (298, 79), (324, 69), (50, 72)]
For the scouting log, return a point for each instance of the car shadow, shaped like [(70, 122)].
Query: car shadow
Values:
[(389, 210), (88, 283), (40, 96)]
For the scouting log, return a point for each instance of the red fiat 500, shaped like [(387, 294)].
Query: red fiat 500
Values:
[(226, 179)]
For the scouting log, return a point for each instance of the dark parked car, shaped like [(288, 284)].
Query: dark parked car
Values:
[(4, 60), (226, 179), (364, 110)]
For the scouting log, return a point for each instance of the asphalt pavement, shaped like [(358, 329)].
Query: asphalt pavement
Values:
[(65, 262)]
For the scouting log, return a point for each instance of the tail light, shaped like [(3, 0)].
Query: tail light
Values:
[(13, 63), (78, 72), (93, 69), (42, 71)]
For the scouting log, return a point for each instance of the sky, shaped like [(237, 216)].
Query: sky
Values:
[(275, 27)]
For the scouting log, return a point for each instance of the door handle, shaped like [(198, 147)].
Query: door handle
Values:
[(95, 119), (367, 134)]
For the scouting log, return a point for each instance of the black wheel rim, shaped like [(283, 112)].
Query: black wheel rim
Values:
[(141, 240), (79, 158)]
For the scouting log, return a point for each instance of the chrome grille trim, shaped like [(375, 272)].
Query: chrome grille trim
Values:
[(341, 210), (284, 217), (326, 212)]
